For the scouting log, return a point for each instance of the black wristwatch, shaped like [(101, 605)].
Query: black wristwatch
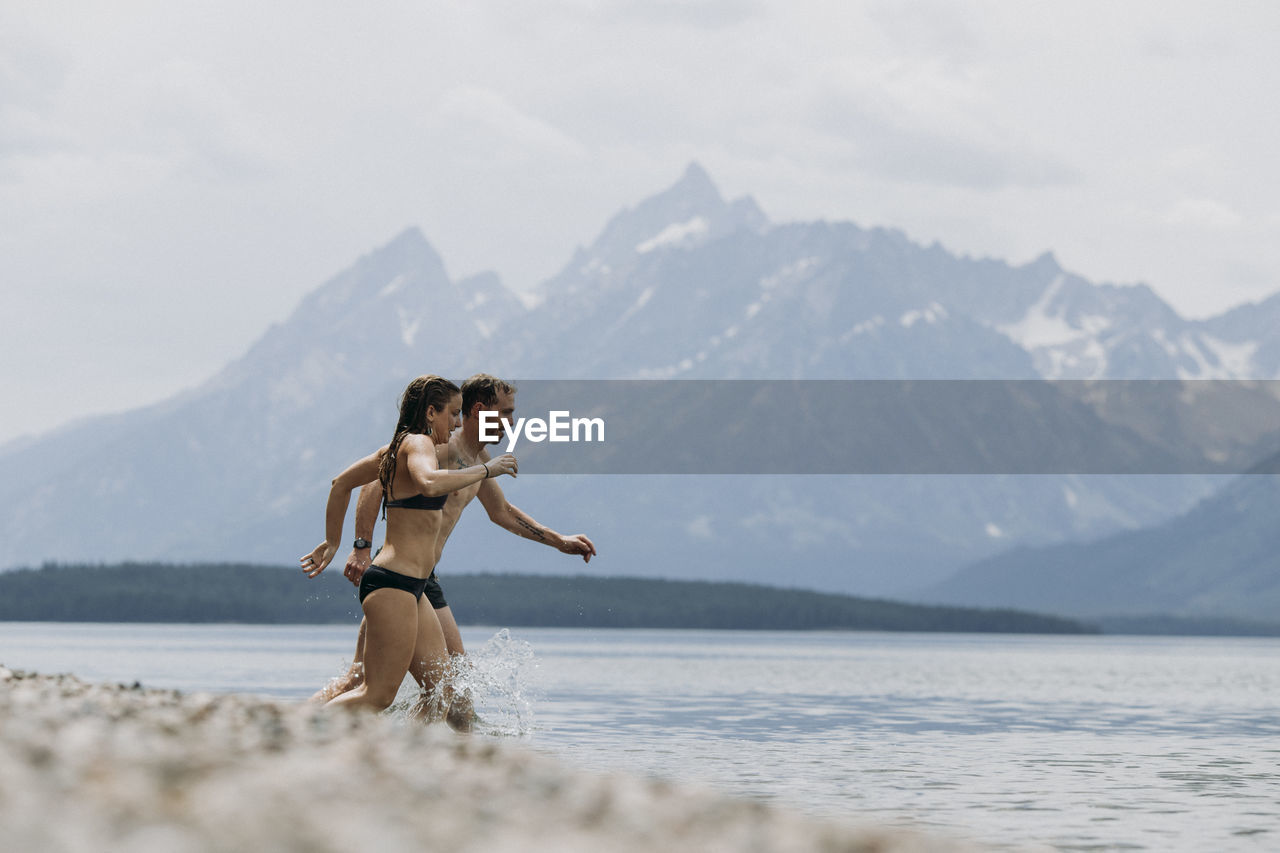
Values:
[(361, 544)]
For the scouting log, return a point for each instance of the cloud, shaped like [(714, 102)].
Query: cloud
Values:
[(1203, 213), (937, 29), (922, 125), (700, 14), (191, 114), (31, 72), (31, 75), (502, 124), (247, 149), (72, 132)]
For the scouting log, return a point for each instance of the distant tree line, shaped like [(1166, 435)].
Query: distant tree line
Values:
[(218, 592), (153, 592)]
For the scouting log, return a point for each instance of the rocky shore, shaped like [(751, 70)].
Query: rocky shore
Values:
[(100, 767)]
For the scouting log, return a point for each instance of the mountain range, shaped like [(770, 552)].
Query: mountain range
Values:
[(684, 285), (1220, 559)]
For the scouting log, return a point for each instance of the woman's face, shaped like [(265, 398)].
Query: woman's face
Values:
[(445, 420)]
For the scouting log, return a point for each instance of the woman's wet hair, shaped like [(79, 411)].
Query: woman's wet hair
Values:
[(421, 394)]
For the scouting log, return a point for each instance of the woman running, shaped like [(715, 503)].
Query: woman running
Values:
[(397, 617)]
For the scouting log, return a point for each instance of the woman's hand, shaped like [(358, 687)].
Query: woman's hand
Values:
[(504, 464), (314, 563)]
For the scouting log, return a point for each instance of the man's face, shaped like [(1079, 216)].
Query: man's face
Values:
[(505, 407)]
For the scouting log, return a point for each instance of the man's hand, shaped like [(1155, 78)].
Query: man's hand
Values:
[(577, 544), (314, 563), (356, 565)]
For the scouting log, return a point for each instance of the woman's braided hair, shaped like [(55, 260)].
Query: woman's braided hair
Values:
[(421, 394)]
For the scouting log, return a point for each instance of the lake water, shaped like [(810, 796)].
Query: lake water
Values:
[(1081, 743)]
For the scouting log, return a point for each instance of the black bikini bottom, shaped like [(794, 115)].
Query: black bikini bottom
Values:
[(434, 593), (376, 577)]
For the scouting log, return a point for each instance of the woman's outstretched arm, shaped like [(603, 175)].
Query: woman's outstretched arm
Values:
[(335, 513), (431, 480)]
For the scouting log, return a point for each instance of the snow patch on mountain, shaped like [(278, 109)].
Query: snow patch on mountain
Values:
[(1229, 361), (684, 365), (1085, 358), (392, 286), (1041, 327), (409, 326), (677, 235), (790, 273), (862, 328), (641, 301), (700, 527), (932, 315), (531, 299)]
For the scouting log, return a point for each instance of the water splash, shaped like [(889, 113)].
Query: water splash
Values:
[(496, 679), (486, 692), (351, 675)]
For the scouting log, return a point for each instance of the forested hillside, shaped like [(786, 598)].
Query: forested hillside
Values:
[(150, 592)]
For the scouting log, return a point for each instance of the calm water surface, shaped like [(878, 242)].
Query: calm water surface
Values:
[(1082, 743)]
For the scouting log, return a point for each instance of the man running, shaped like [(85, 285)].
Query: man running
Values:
[(480, 393)]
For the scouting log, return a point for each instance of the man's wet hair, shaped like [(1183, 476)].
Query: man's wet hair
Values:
[(483, 388)]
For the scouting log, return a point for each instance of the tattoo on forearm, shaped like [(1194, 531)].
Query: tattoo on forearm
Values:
[(534, 532)]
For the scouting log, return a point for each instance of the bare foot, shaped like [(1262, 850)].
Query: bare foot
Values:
[(336, 687), (461, 715), (429, 708)]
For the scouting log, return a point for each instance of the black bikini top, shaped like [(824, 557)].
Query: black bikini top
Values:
[(415, 502), (419, 502)]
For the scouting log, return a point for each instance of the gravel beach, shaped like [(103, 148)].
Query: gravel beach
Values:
[(101, 767)]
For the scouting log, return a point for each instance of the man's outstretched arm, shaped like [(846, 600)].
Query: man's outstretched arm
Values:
[(509, 517)]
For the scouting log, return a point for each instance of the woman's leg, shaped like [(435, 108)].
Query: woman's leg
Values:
[(353, 678), (391, 629), (430, 664)]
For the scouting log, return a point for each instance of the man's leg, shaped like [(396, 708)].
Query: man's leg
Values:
[(442, 699), (452, 636), (460, 714)]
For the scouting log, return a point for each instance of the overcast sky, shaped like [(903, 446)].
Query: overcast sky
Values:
[(175, 176)]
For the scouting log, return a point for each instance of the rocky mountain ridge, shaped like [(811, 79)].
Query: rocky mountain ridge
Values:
[(683, 285)]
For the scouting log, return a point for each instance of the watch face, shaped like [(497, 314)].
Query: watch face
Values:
[(361, 544)]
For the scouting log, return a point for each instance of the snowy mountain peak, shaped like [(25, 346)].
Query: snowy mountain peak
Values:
[(408, 239), (685, 215), (1046, 263), (696, 181), (394, 271)]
